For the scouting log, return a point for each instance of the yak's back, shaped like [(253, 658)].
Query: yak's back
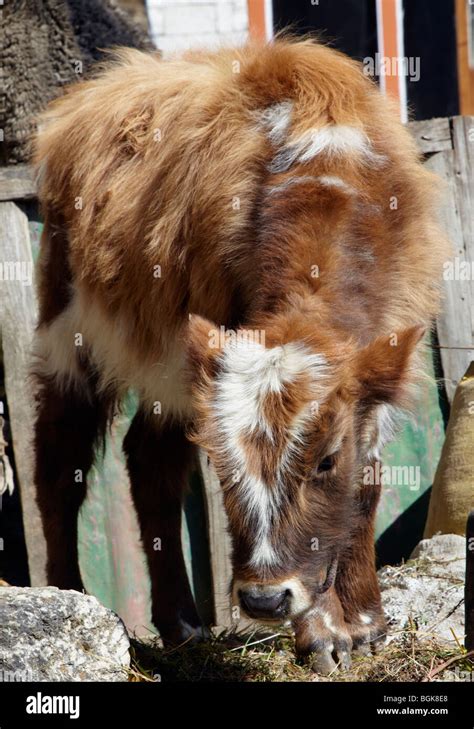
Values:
[(170, 162)]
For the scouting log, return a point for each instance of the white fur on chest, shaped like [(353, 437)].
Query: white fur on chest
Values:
[(160, 384)]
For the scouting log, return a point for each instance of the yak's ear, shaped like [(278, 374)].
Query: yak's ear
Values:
[(203, 346), (384, 366)]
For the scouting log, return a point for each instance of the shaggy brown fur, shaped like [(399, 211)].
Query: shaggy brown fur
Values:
[(272, 189)]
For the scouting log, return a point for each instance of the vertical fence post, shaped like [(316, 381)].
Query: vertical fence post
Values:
[(17, 322)]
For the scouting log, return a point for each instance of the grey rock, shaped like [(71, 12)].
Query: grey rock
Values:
[(428, 591), (443, 553), (47, 634)]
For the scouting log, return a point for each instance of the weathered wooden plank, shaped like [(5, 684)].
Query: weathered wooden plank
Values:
[(456, 322), (463, 138), (219, 543), (17, 182), (17, 321), (226, 615), (432, 135)]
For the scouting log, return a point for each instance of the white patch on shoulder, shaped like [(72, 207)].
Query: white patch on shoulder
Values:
[(324, 180), (333, 181), (249, 373), (365, 619), (284, 186), (335, 140), (276, 120)]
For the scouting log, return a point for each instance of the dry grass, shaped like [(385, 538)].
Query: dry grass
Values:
[(260, 658)]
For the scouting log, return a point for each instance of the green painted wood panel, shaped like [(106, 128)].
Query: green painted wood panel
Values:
[(404, 503)]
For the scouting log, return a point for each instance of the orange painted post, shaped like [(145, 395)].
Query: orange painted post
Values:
[(392, 52), (260, 19), (465, 68)]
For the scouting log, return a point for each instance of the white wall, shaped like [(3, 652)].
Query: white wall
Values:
[(179, 24)]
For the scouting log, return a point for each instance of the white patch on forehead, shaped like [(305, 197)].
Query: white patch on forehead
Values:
[(365, 619), (249, 373)]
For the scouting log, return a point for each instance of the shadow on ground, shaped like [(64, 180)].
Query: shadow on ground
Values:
[(229, 657)]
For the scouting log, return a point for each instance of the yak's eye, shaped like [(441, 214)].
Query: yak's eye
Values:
[(327, 464)]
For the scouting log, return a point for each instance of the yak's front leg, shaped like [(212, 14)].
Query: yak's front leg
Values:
[(158, 461), (321, 635), (356, 581)]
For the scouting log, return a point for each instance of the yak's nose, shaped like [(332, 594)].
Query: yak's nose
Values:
[(262, 605)]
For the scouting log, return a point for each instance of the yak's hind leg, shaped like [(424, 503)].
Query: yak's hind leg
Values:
[(356, 582), (67, 425), (159, 459)]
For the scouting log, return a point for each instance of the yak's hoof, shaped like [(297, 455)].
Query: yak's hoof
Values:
[(368, 633), (326, 657), (322, 637)]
